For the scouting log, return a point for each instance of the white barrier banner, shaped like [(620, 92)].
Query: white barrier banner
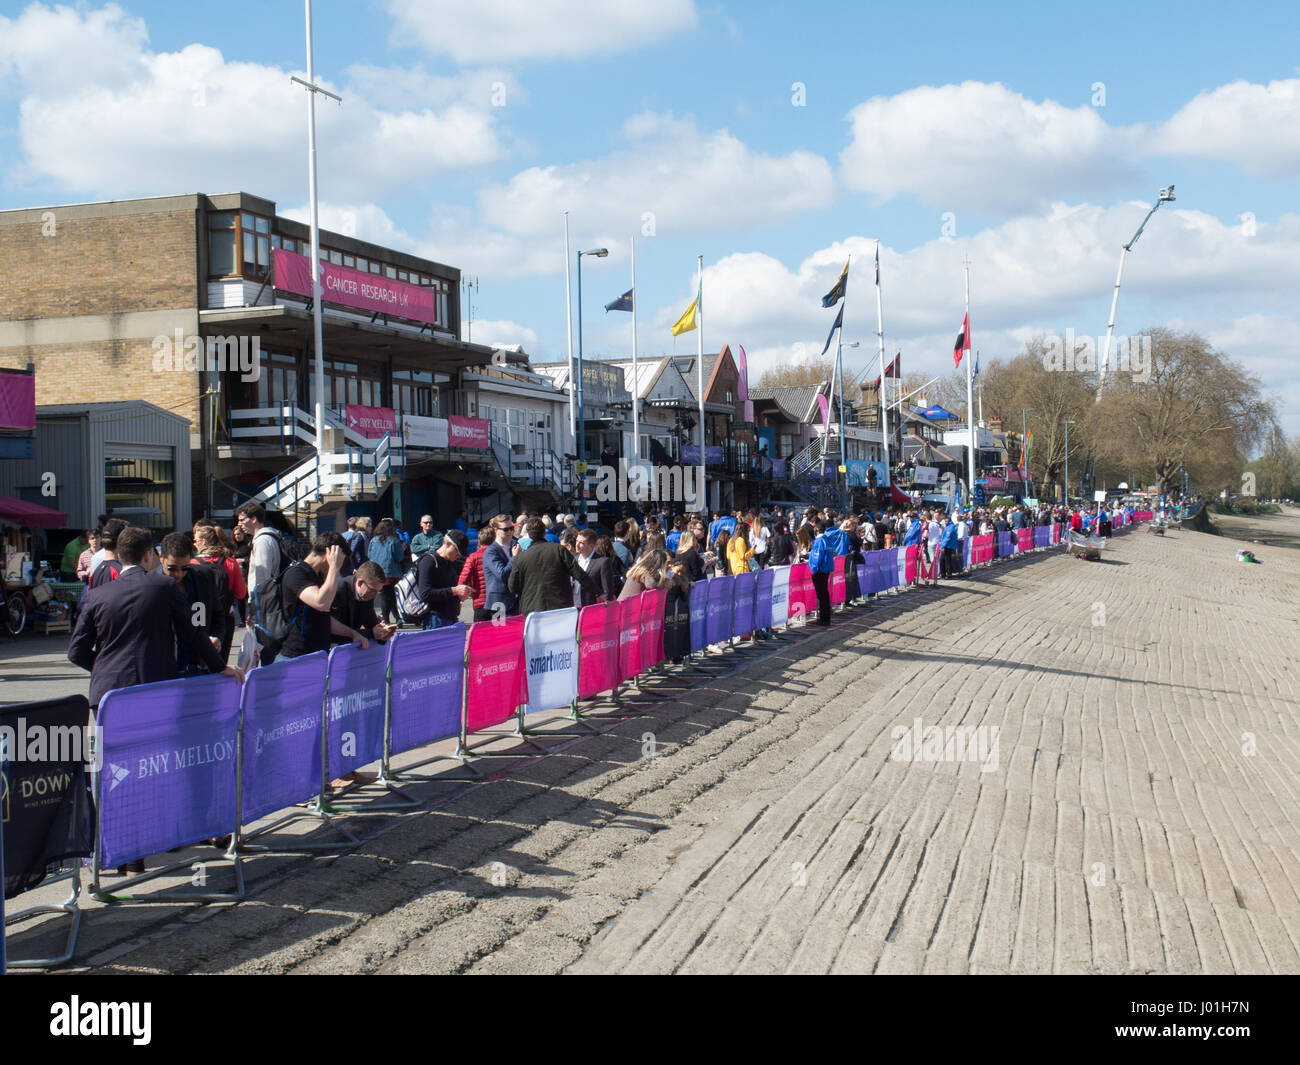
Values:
[(780, 595), (551, 657), (424, 432)]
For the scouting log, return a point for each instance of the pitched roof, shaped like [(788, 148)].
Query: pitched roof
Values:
[(794, 401)]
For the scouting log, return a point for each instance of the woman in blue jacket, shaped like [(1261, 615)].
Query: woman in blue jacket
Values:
[(388, 552)]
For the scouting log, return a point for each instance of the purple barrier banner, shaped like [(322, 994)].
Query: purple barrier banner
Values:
[(763, 598), (282, 707), (426, 682), (354, 707), (699, 612), (1042, 536), (1004, 544), (742, 602), (880, 571), (168, 776), (718, 614)]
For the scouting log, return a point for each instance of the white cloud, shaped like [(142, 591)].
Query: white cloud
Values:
[(1047, 272), (500, 333), (365, 221), (1256, 126), (687, 178), (978, 145), (100, 113), (492, 31)]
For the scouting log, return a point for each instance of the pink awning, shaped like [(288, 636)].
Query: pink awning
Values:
[(20, 512)]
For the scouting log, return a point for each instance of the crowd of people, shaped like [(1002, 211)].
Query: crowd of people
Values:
[(344, 586), (155, 611)]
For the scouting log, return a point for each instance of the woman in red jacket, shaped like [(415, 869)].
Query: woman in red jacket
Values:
[(471, 574), (210, 547)]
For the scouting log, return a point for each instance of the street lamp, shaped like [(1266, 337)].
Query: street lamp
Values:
[(599, 253), (1068, 422), (1166, 196)]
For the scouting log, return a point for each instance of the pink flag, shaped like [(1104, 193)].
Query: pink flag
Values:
[(823, 404)]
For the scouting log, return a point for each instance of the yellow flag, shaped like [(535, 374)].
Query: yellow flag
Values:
[(687, 321)]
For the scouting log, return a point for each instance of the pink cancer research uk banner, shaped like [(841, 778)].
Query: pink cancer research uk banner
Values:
[(468, 432), (17, 401), (551, 656), (598, 649), (1024, 539), (371, 422), (803, 596), (494, 672), (654, 601), (837, 587), (629, 637), (356, 288)]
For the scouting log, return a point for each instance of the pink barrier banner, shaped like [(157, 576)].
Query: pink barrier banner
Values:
[(837, 581), (981, 549), (1056, 533), (467, 432), (912, 553), (1142, 515), (371, 422), (629, 637), (653, 604), (494, 672), (917, 570), (355, 288), (1024, 539), (598, 661), (17, 401), (803, 597)]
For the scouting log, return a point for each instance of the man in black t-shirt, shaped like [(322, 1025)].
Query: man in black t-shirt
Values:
[(308, 589)]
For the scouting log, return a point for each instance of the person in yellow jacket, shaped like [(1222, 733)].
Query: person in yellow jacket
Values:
[(738, 550)]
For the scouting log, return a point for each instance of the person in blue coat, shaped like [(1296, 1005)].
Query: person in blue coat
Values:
[(951, 563), (912, 536), (821, 561), (497, 562)]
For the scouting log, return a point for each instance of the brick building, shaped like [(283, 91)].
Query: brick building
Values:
[(197, 304)]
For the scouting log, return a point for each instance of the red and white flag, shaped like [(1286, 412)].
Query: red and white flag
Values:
[(963, 341)]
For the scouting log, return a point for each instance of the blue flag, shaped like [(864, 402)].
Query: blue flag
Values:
[(623, 303), (839, 321)]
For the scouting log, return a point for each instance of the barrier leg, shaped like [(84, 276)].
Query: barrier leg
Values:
[(242, 844), (68, 907), (100, 894), (583, 728)]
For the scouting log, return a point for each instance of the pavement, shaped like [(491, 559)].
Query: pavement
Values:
[(1135, 810)]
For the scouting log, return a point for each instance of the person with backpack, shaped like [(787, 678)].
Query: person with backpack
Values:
[(266, 561), (436, 580), (388, 551)]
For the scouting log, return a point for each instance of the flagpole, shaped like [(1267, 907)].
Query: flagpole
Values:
[(568, 310), (839, 362), (884, 381), (699, 366), (970, 406), (636, 387), (981, 394)]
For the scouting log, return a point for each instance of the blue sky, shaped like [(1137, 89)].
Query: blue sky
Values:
[(980, 115)]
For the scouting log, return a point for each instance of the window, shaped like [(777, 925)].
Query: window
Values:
[(336, 257), (390, 271), (403, 276), (238, 244), (374, 267), (363, 265), (277, 381), (350, 262)]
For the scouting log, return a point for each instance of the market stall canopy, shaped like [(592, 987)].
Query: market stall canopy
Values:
[(20, 512), (937, 413)]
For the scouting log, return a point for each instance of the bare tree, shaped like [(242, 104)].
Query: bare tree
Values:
[(1200, 411), (812, 372)]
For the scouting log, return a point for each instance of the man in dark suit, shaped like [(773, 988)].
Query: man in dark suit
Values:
[(207, 593), (127, 629), (540, 576), (599, 569)]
